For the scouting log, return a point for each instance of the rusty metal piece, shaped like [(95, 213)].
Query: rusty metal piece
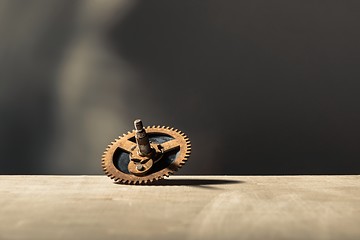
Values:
[(146, 154), (142, 139), (140, 168)]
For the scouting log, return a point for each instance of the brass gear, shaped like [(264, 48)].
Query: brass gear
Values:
[(170, 150)]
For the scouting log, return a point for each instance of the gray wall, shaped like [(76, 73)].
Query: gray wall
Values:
[(260, 87)]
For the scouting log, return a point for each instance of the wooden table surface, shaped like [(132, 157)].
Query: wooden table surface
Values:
[(181, 207)]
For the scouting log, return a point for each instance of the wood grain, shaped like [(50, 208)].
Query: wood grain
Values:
[(182, 207)]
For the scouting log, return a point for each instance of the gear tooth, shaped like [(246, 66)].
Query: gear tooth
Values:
[(168, 128)]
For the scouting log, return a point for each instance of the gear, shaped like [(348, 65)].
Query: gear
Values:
[(146, 154)]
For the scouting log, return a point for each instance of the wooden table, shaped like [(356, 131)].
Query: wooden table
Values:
[(182, 207)]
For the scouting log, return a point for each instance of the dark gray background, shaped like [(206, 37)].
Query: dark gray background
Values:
[(260, 87)]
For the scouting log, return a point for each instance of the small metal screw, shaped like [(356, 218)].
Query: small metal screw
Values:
[(139, 167)]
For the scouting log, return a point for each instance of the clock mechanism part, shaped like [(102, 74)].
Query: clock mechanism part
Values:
[(146, 154)]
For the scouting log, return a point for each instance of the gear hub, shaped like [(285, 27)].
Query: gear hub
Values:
[(146, 154)]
